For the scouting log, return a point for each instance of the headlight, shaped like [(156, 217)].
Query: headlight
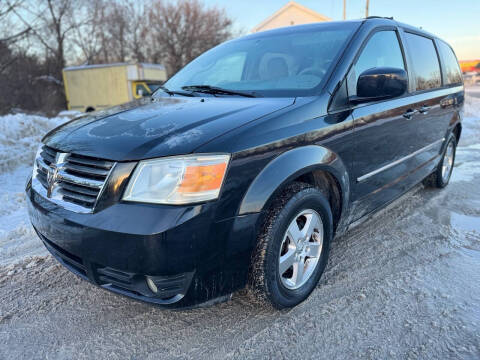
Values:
[(35, 166), (177, 180)]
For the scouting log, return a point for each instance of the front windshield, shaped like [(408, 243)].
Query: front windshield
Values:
[(285, 63)]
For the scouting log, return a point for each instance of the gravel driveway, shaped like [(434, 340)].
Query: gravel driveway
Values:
[(404, 284)]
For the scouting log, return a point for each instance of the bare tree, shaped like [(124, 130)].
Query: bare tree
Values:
[(137, 13), (51, 22), (162, 31), (183, 30), (6, 58), (114, 31), (88, 34), (9, 34)]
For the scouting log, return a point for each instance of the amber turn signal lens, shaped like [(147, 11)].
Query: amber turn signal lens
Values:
[(202, 178), (177, 180)]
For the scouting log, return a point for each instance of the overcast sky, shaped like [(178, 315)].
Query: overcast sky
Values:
[(456, 21)]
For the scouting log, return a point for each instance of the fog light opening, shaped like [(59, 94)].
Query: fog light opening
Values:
[(152, 286)]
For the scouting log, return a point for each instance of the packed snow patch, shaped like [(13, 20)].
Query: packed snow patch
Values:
[(20, 135), (17, 237), (69, 114)]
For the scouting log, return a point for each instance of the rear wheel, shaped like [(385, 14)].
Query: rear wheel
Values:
[(443, 172), (293, 246)]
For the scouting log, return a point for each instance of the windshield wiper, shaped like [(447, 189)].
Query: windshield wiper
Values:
[(173, 92), (216, 90)]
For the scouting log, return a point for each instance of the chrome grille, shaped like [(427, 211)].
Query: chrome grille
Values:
[(71, 180)]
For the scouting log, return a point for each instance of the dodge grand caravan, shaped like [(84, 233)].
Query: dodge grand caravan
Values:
[(244, 166)]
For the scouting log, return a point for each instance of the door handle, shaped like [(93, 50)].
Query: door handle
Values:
[(409, 114), (424, 109)]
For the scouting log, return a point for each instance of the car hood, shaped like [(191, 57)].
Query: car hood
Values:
[(158, 126)]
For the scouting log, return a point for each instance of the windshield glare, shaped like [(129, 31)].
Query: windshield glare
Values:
[(276, 64)]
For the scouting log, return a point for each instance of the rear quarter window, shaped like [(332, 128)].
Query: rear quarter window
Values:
[(426, 66), (452, 73)]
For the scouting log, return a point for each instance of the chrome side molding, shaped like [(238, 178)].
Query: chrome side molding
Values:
[(396, 162)]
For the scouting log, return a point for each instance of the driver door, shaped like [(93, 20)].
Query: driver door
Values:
[(383, 130)]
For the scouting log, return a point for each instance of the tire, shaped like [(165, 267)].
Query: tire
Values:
[(441, 176), (298, 207)]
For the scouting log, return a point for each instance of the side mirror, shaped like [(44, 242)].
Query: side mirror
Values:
[(380, 83)]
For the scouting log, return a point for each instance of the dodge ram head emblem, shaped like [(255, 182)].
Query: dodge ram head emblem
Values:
[(53, 176)]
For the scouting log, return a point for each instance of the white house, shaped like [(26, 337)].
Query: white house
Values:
[(291, 14)]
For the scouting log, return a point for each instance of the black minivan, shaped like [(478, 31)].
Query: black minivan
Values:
[(242, 168)]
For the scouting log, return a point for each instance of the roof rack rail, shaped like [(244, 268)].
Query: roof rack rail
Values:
[(380, 17)]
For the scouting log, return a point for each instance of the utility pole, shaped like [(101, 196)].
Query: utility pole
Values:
[(344, 9), (366, 8)]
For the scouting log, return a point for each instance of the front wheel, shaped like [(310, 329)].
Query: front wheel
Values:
[(293, 246)]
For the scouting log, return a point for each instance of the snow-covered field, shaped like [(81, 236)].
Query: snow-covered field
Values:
[(405, 284)]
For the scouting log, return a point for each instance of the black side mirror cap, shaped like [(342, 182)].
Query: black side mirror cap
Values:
[(380, 83)]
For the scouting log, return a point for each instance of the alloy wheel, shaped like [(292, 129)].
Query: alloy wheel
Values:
[(448, 161), (300, 249)]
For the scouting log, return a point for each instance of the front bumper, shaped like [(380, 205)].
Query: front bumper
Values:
[(189, 256)]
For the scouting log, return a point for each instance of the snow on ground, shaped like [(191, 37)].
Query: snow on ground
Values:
[(17, 237), (20, 136), (69, 114), (471, 121)]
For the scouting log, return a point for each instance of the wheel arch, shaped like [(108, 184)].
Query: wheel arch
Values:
[(313, 164), (328, 184), (457, 131)]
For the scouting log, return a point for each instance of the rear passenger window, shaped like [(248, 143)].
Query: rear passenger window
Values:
[(452, 75), (382, 50), (425, 62)]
